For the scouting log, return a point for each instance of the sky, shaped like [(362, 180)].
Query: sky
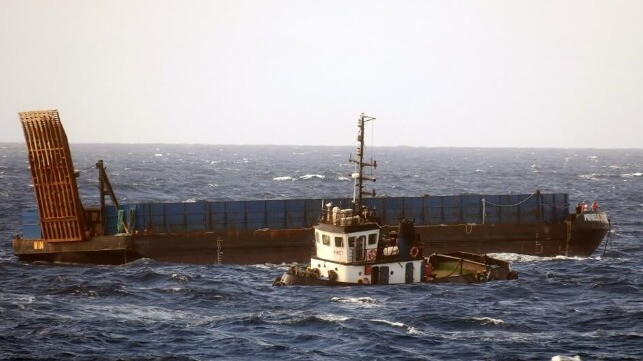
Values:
[(565, 74)]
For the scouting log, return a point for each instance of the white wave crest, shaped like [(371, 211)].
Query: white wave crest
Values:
[(630, 175), (332, 318), (566, 358), (392, 323), (243, 161), (414, 331), (158, 154), (409, 329), (519, 258), (488, 320), (343, 178), (147, 314), (364, 301), (309, 176), (271, 266), (284, 178), (592, 176), (262, 266), (179, 277), (173, 289)]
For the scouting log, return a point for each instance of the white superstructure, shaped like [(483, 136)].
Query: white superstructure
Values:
[(348, 250)]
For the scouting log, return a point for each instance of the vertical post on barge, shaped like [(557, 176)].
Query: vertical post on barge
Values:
[(105, 189)]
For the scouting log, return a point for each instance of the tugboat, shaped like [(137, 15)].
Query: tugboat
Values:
[(350, 250)]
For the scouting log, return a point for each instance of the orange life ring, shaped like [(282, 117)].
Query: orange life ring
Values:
[(415, 251), (372, 254)]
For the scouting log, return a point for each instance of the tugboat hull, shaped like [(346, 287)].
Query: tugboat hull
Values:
[(438, 268)]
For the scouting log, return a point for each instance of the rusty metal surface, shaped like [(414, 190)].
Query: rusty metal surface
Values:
[(277, 246), (61, 213)]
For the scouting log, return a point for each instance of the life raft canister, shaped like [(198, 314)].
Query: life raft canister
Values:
[(414, 252)]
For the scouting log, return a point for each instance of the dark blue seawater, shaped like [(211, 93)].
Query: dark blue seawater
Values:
[(559, 309)]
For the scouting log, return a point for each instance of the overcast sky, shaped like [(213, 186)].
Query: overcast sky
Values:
[(434, 73)]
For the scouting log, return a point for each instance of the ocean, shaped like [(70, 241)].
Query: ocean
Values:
[(560, 308)]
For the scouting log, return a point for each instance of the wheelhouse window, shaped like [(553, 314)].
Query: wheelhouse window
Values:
[(361, 240), (372, 238), (326, 239), (339, 241), (351, 241)]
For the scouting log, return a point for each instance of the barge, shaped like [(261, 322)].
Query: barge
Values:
[(63, 230)]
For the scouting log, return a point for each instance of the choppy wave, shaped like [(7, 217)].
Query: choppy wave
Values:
[(515, 257), (409, 329), (283, 178), (566, 358), (358, 301), (332, 318), (488, 320), (311, 176), (602, 176)]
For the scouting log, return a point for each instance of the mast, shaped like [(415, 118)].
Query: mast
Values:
[(359, 176)]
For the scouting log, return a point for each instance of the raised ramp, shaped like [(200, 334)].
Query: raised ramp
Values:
[(61, 212)]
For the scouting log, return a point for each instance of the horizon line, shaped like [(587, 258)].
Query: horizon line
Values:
[(343, 145)]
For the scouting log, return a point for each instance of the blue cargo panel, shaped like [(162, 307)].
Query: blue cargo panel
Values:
[(175, 217), (313, 211), (111, 220), (31, 224), (414, 209), (393, 210), (142, 211), (256, 213), (235, 215), (433, 210), (276, 214), (296, 213), (217, 217), (157, 218), (195, 215), (470, 200), (472, 214)]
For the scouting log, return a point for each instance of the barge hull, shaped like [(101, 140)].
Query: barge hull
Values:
[(295, 245)]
